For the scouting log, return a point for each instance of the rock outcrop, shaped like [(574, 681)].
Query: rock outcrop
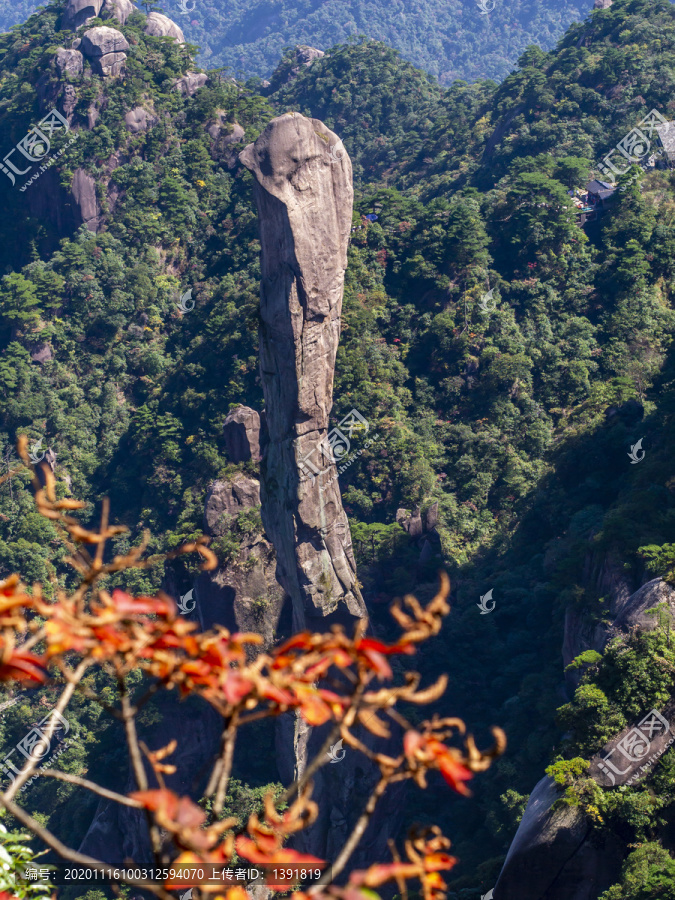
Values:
[(241, 431), (555, 854), (288, 69), (104, 47), (79, 12), (139, 119), (118, 9), (69, 62), (190, 83), (242, 594), (162, 26), (304, 200), (84, 194)]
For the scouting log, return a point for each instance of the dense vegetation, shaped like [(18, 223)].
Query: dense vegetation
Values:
[(448, 38), (517, 421)]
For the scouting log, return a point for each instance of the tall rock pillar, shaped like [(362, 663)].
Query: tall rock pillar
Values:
[(304, 194)]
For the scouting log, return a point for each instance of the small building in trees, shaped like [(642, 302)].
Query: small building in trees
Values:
[(596, 201), (666, 135)]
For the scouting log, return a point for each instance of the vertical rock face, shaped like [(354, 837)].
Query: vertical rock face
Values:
[(304, 196)]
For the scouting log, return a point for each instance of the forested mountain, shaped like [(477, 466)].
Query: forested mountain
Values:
[(516, 416), (448, 38)]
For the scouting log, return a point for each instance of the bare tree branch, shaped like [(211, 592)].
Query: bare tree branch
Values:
[(90, 786)]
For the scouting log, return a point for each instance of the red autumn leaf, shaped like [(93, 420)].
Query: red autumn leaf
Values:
[(378, 663), (455, 774), (23, 667), (125, 603), (236, 687)]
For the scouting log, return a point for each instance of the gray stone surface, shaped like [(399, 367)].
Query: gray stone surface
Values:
[(304, 204), (84, 194), (554, 856), (102, 40), (227, 498), (139, 119), (110, 65), (118, 9), (191, 82), (69, 62), (79, 12), (241, 431), (162, 26)]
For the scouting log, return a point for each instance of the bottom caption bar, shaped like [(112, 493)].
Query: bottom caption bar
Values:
[(181, 876)]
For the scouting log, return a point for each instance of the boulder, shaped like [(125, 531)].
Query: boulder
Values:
[(635, 612), (556, 855), (227, 498), (105, 47), (162, 26), (41, 353), (224, 135), (118, 9), (79, 12), (242, 434), (84, 194), (602, 4), (431, 517), (410, 522), (110, 65), (191, 82), (69, 62), (139, 119)]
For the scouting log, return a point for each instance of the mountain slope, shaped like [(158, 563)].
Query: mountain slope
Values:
[(515, 417), (448, 38)]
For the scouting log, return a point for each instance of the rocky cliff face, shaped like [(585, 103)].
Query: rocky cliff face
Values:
[(304, 196), (555, 854)]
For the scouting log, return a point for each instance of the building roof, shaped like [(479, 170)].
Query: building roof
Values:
[(598, 187)]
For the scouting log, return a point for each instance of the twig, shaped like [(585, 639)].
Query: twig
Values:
[(225, 765), (128, 717), (90, 786), (51, 841), (64, 699), (331, 874)]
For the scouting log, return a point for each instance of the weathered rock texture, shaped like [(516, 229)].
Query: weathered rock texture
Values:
[(69, 62), (304, 199), (242, 594), (162, 26), (105, 46), (241, 431), (79, 12), (555, 855), (118, 9), (190, 83)]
